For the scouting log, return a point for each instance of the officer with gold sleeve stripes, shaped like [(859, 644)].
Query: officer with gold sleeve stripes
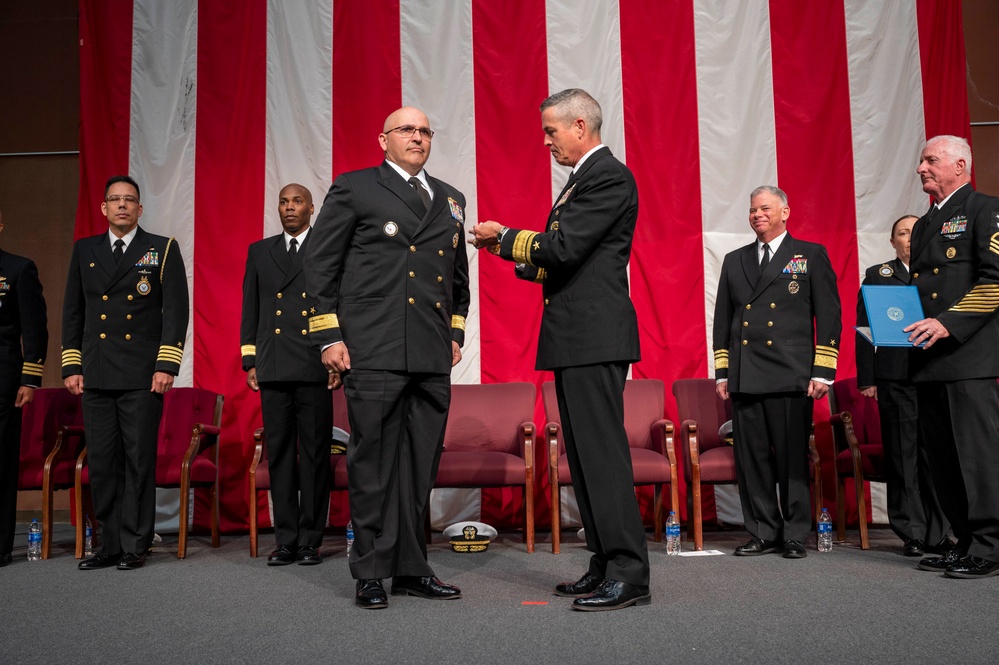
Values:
[(124, 325), (776, 343)]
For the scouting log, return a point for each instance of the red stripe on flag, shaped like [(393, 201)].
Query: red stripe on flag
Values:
[(667, 257), (942, 60), (228, 201), (367, 79), (815, 157), (105, 105), (513, 171)]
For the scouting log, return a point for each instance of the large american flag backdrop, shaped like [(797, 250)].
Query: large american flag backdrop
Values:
[(212, 105)]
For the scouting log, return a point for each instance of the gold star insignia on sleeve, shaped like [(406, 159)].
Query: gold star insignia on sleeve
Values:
[(312, 310), (537, 246), (832, 342)]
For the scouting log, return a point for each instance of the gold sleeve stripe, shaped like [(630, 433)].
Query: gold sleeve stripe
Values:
[(72, 357), (33, 369), (994, 243), (248, 350), (825, 361), (826, 351), (165, 255), (982, 299), (721, 358), (522, 247), (170, 354), (458, 322), (323, 322), (540, 277)]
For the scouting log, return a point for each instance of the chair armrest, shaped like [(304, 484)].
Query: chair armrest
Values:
[(65, 432), (526, 433), (551, 434), (843, 423), (662, 437), (203, 437), (258, 449)]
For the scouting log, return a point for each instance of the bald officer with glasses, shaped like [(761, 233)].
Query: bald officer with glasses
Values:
[(390, 275), (124, 322)]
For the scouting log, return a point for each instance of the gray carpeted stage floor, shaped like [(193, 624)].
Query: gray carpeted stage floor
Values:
[(221, 606)]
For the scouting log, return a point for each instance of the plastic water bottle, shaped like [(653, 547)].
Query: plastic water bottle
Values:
[(350, 536), (672, 535), (88, 543), (825, 531), (35, 541)]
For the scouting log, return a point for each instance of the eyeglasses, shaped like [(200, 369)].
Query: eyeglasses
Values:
[(407, 131), (127, 198)]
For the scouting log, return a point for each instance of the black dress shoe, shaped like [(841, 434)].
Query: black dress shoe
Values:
[(5, 559), (613, 595), (939, 564), (794, 550), (424, 587), (131, 561), (587, 584), (913, 547), (370, 595), (972, 567), (100, 561), (282, 556), (945, 545), (309, 556), (757, 546)]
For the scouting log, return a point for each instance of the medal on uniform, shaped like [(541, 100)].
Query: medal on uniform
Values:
[(792, 288), (456, 210), (886, 270), (454, 241), (144, 287), (951, 252), (390, 229)]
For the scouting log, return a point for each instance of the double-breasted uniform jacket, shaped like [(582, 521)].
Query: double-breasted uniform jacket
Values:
[(390, 283), (886, 362), (774, 332), (123, 323), (24, 336), (955, 265), (273, 333), (581, 261)]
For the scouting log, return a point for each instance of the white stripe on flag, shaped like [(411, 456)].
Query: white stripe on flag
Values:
[(162, 128), (735, 102), (886, 107), (437, 77), (299, 103)]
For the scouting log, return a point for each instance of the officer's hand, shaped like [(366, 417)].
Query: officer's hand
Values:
[(335, 381), (162, 382), (455, 353), (927, 330), (870, 391), (251, 379), (24, 395), (485, 234), (817, 389), (336, 358), (722, 389), (74, 384)]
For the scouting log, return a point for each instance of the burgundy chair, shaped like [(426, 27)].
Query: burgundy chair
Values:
[(51, 439), (856, 426), (187, 456), (650, 438), (707, 459), (490, 442), (260, 477)]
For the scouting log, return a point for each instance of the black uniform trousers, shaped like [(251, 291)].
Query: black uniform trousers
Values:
[(771, 433), (397, 422), (959, 428), (913, 508), (121, 429), (10, 449), (298, 421), (591, 407)]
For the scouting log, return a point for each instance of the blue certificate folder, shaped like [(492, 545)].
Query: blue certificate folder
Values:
[(890, 309)]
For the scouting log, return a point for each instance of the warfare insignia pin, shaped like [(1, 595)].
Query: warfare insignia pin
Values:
[(792, 288), (390, 229), (886, 270), (144, 287), (951, 252), (565, 197)]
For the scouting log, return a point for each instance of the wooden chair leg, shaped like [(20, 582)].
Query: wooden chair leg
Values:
[(658, 514), (529, 515), (696, 517), (182, 536), (865, 544), (253, 518), (556, 516), (46, 517)]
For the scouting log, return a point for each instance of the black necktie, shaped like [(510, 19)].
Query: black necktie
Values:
[(766, 257), (293, 248), (119, 250), (422, 191)]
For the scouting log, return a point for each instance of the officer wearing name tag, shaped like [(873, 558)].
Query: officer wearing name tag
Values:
[(883, 374), (124, 323), (955, 266)]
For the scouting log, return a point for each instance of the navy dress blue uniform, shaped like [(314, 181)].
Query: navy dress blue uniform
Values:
[(121, 323), (914, 511), (589, 337), (23, 342), (390, 279), (295, 400), (773, 332), (955, 266)]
